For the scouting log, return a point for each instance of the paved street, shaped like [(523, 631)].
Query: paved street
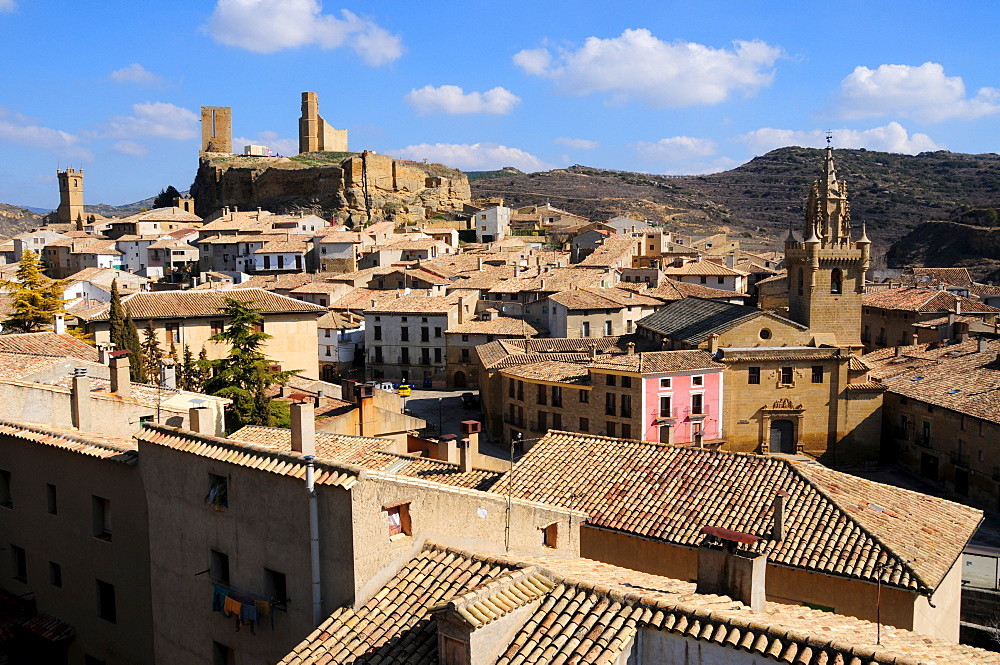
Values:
[(445, 407)]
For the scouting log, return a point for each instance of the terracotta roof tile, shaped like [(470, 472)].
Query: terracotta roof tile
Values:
[(498, 325), (574, 373), (174, 304), (47, 344), (613, 480), (104, 446), (657, 362), (923, 300)]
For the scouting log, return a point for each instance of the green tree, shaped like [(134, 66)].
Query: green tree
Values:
[(244, 375), (152, 356), (36, 299), (124, 335), (186, 370), (166, 197)]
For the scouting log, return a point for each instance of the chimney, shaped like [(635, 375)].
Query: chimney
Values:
[(914, 339), (593, 351), (201, 420), (320, 394), (364, 397), (631, 349), (983, 345), (80, 399), (448, 448), (480, 264), (121, 383), (778, 517), (60, 324), (168, 376), (517, 270), (958, 305), (713, 343), (303, 428), (104, 353), (899, 351), (470, 444), (726, 570)]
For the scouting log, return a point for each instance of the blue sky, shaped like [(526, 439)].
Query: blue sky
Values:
[(665, 87)]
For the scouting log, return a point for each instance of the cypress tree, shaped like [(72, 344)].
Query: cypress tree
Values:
[(131, 341), (151, 354)]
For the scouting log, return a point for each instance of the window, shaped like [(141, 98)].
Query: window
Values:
[(218, 326), (222, 655), (611, 429), (425, 356), (6, 497), (101, 518), (556, 421), (378, 354), (520, 390), (404, 356), (540, 399), (801, 280), (765, 333), (697, 404), (377, 334), (106, 608), (465, 338), (276, 587), (55, 574), (703, 279), (626, 406), (510, 388), (722, 280), (550, 534), (465, 356), (51, 499), (697, 380), (817, 374), (753, 376), (584, 424), (425, 334), (543, 421), (836, 281), (665, 383), (19, 563), (437, 355), (556, 396), (665, 407), (584, 396), (610, 379), (437, 331), (398, 518), (786, 376), (607, 328), (626, 431), (218, 567), (173, 331), (609, 404), (585, 329), (626, 382), (404, 334), (218, 492)]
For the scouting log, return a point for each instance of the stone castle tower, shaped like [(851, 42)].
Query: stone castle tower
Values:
[(217, 129), (826, 270), (314, 134), (70, 196)]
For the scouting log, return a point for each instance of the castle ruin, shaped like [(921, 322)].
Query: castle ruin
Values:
[(217, 129), (70, 196), (315, 135)]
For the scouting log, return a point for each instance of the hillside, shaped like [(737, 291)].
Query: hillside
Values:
[(891, 192), (14, 220), (944, 244)]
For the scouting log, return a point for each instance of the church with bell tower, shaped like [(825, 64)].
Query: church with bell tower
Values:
[(826, 269)]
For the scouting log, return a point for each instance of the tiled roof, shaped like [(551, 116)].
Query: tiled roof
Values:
[(498, 325), (692, 320), (611, 251), (417, 303), (333, 235), (47, 344), (590, 615), (341, 448), (782, 276), (364, 299), (957, 376), (288, 245), (282, 281), (166, 214), (551, 370), (176, 304), (835, 523), (433, 470), (671, 289), (577, 299), (949, 276), (511, 352), (104, 446), (923, 300), (657, 362), (702, 268), (262, 458)]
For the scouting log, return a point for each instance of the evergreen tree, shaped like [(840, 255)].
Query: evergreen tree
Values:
[(202, 371), (124, 336), (244, 375), (186, 371), (166, 197), (36, 299), (151, 355)]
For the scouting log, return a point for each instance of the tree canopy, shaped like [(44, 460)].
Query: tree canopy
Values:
[(245, 373), (124, 336), (166, 197), (36, 299)]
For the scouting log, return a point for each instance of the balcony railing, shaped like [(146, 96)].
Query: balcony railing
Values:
[(922, 440), (959, 459)]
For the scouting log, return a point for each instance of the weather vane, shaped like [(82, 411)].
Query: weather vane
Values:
[(829, 136)]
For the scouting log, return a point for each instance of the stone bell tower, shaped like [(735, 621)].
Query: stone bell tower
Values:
[(826, 270), (70, 196)]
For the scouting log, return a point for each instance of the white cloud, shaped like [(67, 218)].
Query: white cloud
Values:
[(19, 129), (136, 73), (271, 139), (675, 148), (130, 148), (577, 144), (266, 26), (639, 67), (453, 100), (154, 120), (892, 137), (474, 156), (923, 93), (7, 5)]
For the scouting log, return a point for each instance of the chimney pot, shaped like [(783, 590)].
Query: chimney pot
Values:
[(121, 383), (778, 518), (983, 345), (303, 428)]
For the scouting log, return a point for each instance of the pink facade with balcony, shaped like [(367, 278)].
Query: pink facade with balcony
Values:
[(683, 407)]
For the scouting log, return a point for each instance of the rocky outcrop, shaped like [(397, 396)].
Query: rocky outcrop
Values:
[(330, 184), (947, 244)]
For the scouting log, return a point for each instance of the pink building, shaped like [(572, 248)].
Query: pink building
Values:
[(681, 397)]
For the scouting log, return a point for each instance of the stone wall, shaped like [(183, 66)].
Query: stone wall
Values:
[(400, 190)]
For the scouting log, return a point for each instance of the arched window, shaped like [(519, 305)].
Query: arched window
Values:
[(801, 280), (836, 281)]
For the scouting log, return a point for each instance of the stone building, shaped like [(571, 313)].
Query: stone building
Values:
[(595, 312), (895, 317), (462, 339), (217, 129), (315, 135), (70, 196)]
